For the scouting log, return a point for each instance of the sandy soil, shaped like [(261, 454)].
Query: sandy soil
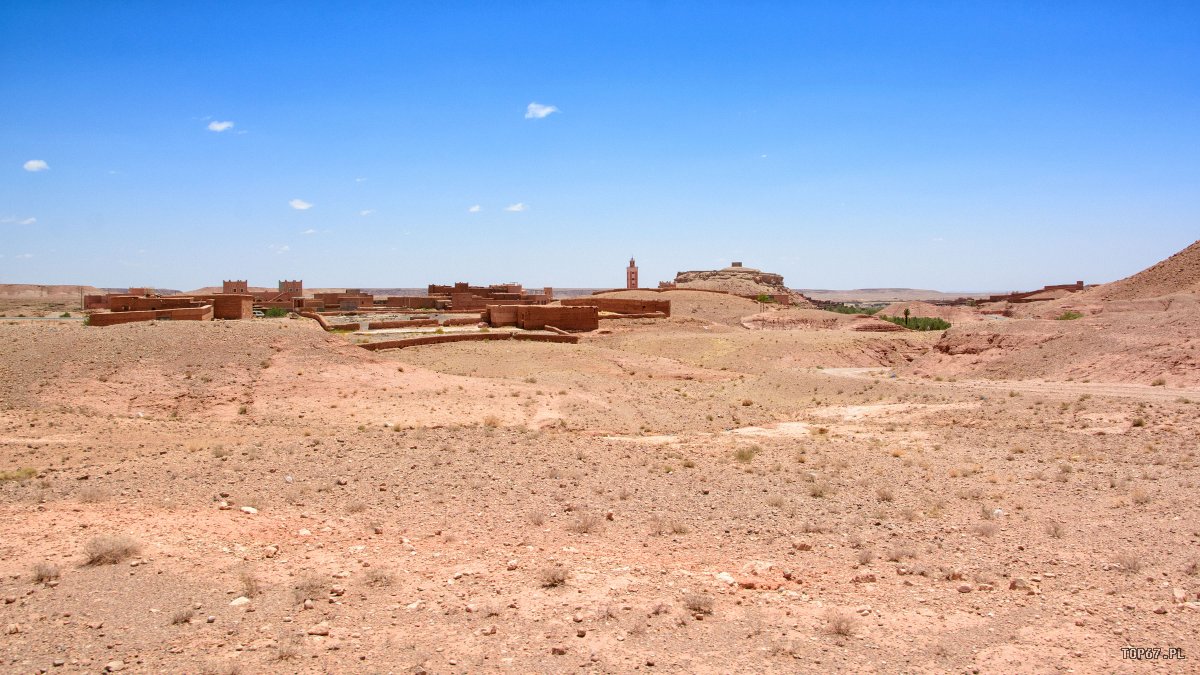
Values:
[(680, 495)]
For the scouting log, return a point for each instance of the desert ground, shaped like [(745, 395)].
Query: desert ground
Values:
[(682, 495)]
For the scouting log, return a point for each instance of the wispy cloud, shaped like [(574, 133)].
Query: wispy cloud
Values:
[(13, 220), (536, 111), (475, 209), (280, 248), (360, 180), (366, 212), (28, 221), (36, 165), (219, 126), (309, 231), (300, 205), (24, 256), (516, 208)]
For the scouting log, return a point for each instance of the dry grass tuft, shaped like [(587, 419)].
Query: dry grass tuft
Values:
[(585, 523), (841, 622), (45, 571), (379, 576), (552, 577), (181, 617), (698, 603), (110, 549)]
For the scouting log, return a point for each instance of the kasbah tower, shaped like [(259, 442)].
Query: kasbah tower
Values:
[(631, 280)]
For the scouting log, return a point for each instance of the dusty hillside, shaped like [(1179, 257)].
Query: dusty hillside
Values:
[(1178, 274), (43, 292), (677, 496)]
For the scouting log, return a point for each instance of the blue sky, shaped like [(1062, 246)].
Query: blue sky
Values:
[(948, 145)]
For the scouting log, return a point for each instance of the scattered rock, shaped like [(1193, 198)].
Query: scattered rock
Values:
[(964, 588), (240, 601), (249, 509), (319, 629), (558, 651), (114, 666)]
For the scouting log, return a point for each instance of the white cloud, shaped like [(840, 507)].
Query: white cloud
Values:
[(366, 212), (28, 221), (300, 205), (219, 126), (475, 209), (536, 111), (25, 256), (516, 208), (12, 220), (280, 248), (309, 231), (36, 165), (359, 180)]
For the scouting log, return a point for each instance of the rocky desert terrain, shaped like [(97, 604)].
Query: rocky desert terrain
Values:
[(726, 490)]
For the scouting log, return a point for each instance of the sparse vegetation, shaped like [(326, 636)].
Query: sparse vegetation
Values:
[(698, 603), (1069, 315), (45, 571), (841, 622), (24, 473), (552, 577), (918, 323), (110, 549)]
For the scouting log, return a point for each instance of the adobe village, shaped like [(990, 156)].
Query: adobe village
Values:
[(714, 474)]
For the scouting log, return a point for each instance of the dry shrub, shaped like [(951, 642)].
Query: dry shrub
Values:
[(884, 494), (45, 571), (698, 603), (985, 529), (249, 582), (865, 556), (1130, 563), (1140, 496), (378, 576), (537, 518), (660, 526), (308, 588), (181, 617), (746, 455), (356, 507), (585, 523), (110, 549), (92, 494), (1055, 529), (841, 622), (551, 577), (819, 490)]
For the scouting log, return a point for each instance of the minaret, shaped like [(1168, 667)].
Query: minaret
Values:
[(631, 280)]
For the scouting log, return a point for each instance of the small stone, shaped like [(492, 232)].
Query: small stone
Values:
[(341, 575), (1160, 610), (240, 601), (578, 618), (1179, 595), (210, 619), (272, 551), (319, 629), (1018, 584), (308, 603), (249, 509), (512, 565), (341, 481), (558, 651), (609, 515), (337, 590), (490, 630), (304, 532), (378, 530), (58, 663), (12, 629), (114, 666), (581, 633), (727, 578), (964, 588)]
